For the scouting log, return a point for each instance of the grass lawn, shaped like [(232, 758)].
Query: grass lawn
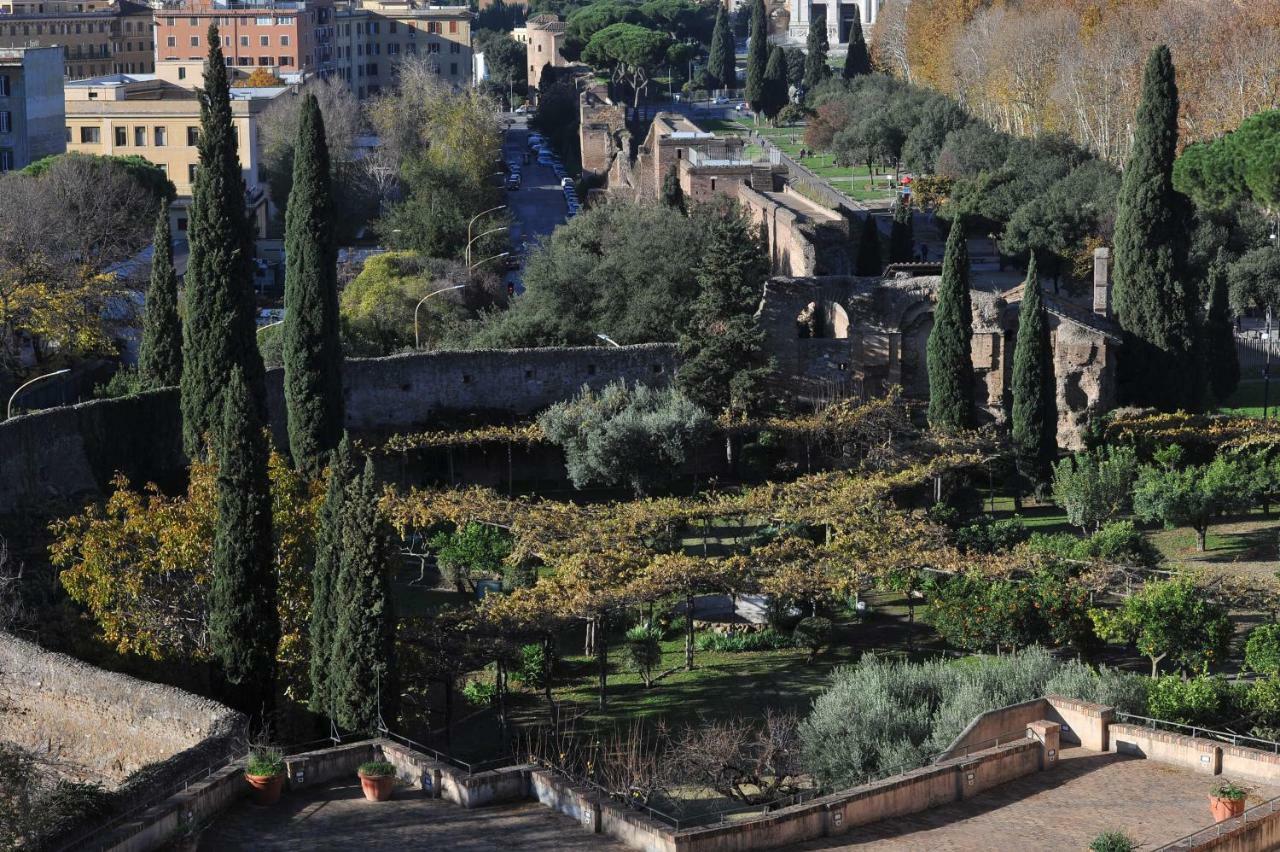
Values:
[(1248, 398)]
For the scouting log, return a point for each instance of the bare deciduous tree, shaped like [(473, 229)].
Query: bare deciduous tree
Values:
[(751, 761)]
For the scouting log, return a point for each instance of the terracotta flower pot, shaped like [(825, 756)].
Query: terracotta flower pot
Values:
[(265, 788), (1225, 809), (377, 788)]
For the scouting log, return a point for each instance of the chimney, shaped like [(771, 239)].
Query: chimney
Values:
[(1102, 281)]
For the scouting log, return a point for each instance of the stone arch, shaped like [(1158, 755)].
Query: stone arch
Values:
[(823, 318)]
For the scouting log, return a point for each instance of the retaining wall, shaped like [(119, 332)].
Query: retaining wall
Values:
[(1193, 753), (1082, 723), (1261, 835)]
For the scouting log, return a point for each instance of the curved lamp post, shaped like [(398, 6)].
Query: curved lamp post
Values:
[(416, 340), (8, 413)]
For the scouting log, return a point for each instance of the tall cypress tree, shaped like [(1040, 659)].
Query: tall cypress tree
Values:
[(948, 353), (858, 60), (363, 649), (1153, 301), (775, 83), (324, 615), (721, 61), (869, 262), (312, 350), (1034, 418), (160, 353), (219, 328), (757, 56), (902, 234), (815, 52), (244, 626), (672, 192), (1219, 336)]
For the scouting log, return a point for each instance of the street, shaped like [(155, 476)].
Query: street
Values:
[(538, 206)]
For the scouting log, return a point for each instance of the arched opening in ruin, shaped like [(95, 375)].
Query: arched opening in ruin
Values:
[(822, 319)]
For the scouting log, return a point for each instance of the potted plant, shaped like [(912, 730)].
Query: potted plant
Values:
[(1113, 841), (265, 773), (377, 779), (1226, 801)]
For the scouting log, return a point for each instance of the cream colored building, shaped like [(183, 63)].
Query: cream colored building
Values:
[(373, 35), (543, 37), (143, 115)]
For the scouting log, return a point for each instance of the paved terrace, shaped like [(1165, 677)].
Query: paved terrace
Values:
[(1063, 809), (337, 816)]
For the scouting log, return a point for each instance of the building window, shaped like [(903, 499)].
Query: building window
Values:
[(244, 41), (171, 41), (264, 41), (6, 160), (262, 22), (193, 136), (454, 47), (195, 41), (392, 28), (168, 22), (433, 48), (453, 69), (284, 41), (90, 136), (182, 72), (453, 26), (122, 136), (182, 223), (193, 22), (191, 172), (264, 61), (286, 60), (68, 134), (160, 134), (140, 136)]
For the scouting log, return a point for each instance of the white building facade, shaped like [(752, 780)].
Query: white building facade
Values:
[(839, 16)]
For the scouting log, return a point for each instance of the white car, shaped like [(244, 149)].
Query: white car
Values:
[(566, 182)]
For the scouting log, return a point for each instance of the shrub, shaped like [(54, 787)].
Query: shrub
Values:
[(265, 761), (479, 693), (377, 769), (988, 535), (475, 551), (1125, 691), (532, 671), (1262, 650), (1113, 841), (1117, 541), (761, 640), (1202, 700), (644, 652), (813, 633)]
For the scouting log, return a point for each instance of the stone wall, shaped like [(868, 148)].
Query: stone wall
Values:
[(804, 239), (601, 128)]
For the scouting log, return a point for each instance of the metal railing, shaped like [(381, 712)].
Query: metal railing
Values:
[(443, 757), (1204, 733), (1196, 839)]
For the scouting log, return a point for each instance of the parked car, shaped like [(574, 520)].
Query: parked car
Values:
[(544, 159), (720, 100), (521, 110), (566, 181), (513, 181)]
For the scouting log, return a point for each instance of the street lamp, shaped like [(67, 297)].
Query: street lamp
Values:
[(479, 263), (9, 410), (609, 340), (416, 340), (479, 237), (263, 328), (478, 215)]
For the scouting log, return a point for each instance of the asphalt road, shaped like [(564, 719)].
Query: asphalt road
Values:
[(538, 206)]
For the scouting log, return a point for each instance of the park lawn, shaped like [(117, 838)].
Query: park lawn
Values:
[(1247, 543), (1248, 399)]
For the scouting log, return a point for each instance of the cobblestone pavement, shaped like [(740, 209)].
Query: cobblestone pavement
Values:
[(338, 817), (1061, 810)]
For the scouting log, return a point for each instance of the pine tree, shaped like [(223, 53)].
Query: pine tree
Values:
[(1034, 415), (1219, 336), (363, 648), (324, 616), (312, 350), (858, 60), (949, 357), (1154, 303), (219, 332), (869, 262), (672, 192), (722, 62), (757, 56), (815, 52), (160, 353), (775, 83), (244, 626), (723, 361), (902, 234)]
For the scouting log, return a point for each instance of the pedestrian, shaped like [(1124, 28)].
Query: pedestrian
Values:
[(924, 253)]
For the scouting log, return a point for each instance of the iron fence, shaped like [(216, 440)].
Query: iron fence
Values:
[(1197, 731)]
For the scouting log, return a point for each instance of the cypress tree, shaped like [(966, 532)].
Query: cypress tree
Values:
[(312, 351), (775, 83), (869, 262), (244, 626), (721, 61), (1219, 337), (858, 60), (324, 615), (219, 328), (1153, 302), (948, 353), (815, 53), (1034, 418), (902, 234), (672, 192), (363, 646), (757, 56), (160, 353)]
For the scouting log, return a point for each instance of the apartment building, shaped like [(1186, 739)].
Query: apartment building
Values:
[(372, 36), (542, 37), (95, 38), (284, 36), (152, 118), (30, 105)]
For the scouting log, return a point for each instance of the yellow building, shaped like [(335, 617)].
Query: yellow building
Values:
[(372, 36), (139, 114), (542, 36), (96, 37)]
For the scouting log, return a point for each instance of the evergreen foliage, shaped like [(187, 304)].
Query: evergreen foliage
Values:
[(902, 236), (757, 56), (328, 558), (815, 52), (775, 83), (1034, 414), (672, 192), (869, 259), (363, 650), (721, 63), (160, 353), (723, 361), (948, 355), (1153, 302), (219, 328), (244, 625), (312, 350), (858, 60), (1219, 335)]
